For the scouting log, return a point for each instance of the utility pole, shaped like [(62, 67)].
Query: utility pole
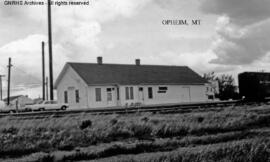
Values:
[(46, 83), (8, 90), (50, 50), (43, 72), (1, 87)]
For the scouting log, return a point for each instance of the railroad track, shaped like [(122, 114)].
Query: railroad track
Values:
[(168, 108)]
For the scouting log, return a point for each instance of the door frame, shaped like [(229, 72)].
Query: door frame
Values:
[(141, 95), (189, 94)]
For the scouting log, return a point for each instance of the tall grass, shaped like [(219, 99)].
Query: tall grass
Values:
[(252, 150), (69, 132), (241, 151)]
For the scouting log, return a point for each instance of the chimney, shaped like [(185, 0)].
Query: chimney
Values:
[(99, 60), (138, 62)]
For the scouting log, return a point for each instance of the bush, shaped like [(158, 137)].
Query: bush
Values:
[(85, 124), (47, 158), (10, 130), (141, 130), (200, 119), (117, 132), (171, 130), (155, 121), (44, 145), (113, 121), (145, 119)]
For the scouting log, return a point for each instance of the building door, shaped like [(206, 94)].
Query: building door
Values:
[(71, 96), (110, 96), (118, 102), (185, 97), (140, 95)]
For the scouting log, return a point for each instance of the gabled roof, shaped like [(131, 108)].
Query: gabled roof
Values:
[(11, 98), (122, 74)]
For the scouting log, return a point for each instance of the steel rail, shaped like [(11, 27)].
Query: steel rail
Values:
[(186, 107)]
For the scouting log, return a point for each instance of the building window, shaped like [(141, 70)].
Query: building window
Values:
[(162, 89), (150, 92), (98, 94), (77, 96), (109, 94), (66, 97), (129, 93), (118, 95)]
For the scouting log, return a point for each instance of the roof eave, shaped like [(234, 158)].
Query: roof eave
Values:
[(60, 75), (114, 84)]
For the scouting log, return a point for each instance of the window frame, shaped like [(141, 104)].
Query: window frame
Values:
[(77, 96), (118, 94), (150, 92), (65, 96), (53, 102), (129, 91), (162, 89), (98, 94), (109, 94)]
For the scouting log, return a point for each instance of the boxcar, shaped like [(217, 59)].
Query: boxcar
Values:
[(254, 85)]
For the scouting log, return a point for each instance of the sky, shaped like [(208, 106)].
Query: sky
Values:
[(233, 36)]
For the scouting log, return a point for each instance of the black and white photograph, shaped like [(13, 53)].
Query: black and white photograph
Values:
[(135, 80)]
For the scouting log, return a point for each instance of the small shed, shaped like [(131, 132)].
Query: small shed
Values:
[(21, 100)]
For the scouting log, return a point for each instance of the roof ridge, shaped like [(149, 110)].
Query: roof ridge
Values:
[(128, 64)]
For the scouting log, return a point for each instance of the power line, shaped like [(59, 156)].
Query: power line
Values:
[(29, 75)]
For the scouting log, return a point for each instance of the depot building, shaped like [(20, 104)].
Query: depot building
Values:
[(96, 85)]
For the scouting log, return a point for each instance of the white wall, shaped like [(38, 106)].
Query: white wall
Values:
[(70, 82), (198, 93), (174, 94), (104, 102)]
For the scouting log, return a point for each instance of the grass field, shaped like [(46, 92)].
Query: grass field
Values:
[(238, 134)]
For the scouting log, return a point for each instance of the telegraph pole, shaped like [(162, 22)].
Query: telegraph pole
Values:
[(43, 72), (8, 90), (46, 83), (1, 87), (50, 50)]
